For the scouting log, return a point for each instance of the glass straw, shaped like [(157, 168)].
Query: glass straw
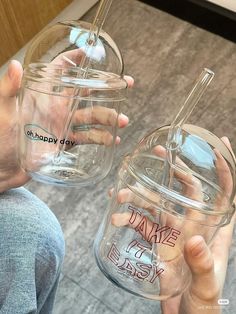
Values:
[(174, 142), (174, 139), (94, 32)]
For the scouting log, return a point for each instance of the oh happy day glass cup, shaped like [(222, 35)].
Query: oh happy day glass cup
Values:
[(58, 144), (140, 243)]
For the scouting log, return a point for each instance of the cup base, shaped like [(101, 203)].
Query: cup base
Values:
[(150, 296), (65, 177)]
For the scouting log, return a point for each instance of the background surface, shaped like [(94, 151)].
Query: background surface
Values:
[(21, 20), (164, 54)]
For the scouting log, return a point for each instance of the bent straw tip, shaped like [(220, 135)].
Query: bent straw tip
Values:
[(210, 72)]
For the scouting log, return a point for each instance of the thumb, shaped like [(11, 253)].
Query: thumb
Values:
[(204, 286), (10, 82)]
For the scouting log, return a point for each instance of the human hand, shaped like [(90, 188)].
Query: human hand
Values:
[(208, 265), (91, 122), (11, 175)]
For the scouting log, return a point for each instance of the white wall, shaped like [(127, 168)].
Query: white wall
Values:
[(228, 4)]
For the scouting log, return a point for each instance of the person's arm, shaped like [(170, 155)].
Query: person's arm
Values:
[(10, 173)]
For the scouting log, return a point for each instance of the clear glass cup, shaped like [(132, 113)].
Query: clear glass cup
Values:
[(140, 243), (68, 114)]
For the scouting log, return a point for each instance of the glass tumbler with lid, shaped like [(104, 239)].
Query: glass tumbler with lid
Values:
[(140, 243), (67, 113)]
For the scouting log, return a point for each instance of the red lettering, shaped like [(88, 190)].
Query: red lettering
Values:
[(132, 217), (128, 267), (114, 254), (134, 214), (173, 235), (138, 248), (145, 270), (138, 270), (156, 273), (142, 227), (141, 250), (156, 233), (132, 244)]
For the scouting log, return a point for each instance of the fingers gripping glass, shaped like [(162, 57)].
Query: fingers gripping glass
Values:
[(69, 103), (140, 243)]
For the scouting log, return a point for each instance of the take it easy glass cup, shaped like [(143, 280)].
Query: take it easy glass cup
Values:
[(140, 243), (58, 144)]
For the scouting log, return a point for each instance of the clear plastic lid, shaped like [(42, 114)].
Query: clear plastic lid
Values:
[(56, 53), (203, 177)]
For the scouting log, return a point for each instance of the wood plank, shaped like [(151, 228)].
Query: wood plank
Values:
[(21, 20)]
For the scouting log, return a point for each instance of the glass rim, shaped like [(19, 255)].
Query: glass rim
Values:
[(172, 196), (74, 77)]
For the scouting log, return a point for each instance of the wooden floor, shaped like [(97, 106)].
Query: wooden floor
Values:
[(164, 54)]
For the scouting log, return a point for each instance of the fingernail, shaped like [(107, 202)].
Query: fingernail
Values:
[(117, 140), (123, 116), (129, 79), (10, 70), (123, 120)]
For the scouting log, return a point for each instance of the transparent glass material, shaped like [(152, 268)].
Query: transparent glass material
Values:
[(68, 113), (140, 243)]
